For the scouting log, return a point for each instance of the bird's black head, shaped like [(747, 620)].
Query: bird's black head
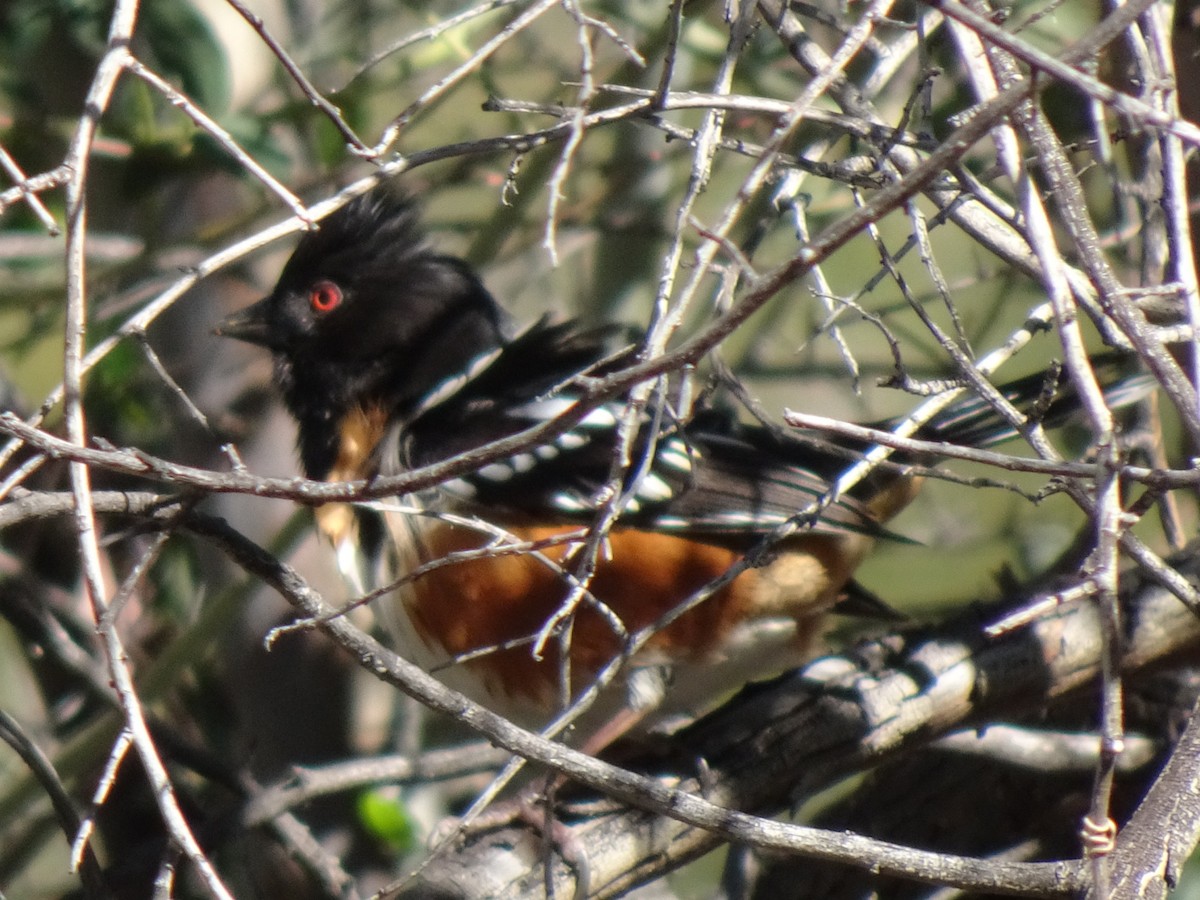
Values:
[(366, 316)]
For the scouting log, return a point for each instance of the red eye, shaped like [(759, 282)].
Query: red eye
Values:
[(324, 296)]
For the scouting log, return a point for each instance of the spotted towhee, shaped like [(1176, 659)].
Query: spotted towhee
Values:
[(391, 356)]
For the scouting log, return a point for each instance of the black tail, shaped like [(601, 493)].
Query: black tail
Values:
[(1047, 397)]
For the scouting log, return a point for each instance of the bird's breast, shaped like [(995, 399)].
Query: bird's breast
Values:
[(489, 607)]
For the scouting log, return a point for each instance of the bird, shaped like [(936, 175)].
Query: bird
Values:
[(391, 356)]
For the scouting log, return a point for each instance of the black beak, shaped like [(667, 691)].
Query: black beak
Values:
[(249, 324)]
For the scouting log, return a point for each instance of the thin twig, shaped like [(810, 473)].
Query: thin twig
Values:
[(520, 23), (425, 34), (77, 161), (31, 198), (12, 734), (206, 124), (310, 91), (1063, 71)]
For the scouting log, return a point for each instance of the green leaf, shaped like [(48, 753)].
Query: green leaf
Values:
[(385, 816), (185, 50)]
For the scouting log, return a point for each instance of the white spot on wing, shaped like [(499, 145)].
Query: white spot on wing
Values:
[(544, 409), (568, 502), (654, 489), (671, 522), (545, 451), (743, 519), (459, 486), (496, 472), (452, 385), (572, 440), (676, 455), (601, 417), (523, 462)]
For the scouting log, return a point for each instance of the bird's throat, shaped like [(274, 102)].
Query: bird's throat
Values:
[(359, 434)]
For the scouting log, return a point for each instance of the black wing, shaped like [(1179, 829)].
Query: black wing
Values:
[(711, 476)]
